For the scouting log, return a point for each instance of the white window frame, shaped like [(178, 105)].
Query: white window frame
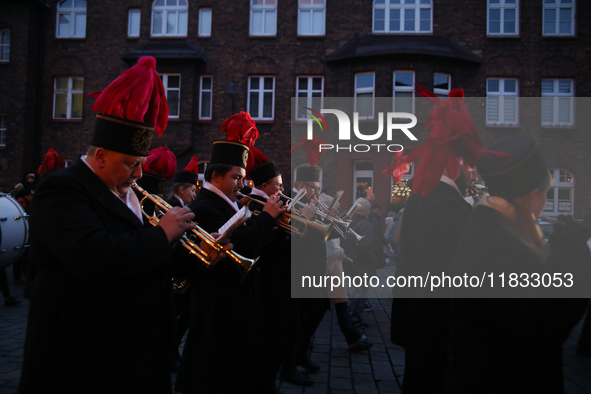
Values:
[(439, 92), (205, 20), (555, 99), (388, 6), (164, 77), (555, 206), (309, 92), (502, 98), (4, 46), (261, 91), (557, 6), (502, 6), (307, 12), (165, 10), (2, 130), (364, 90), (72, 12), (202, 100), (69, 91), (268, 10), (130, 22), (403, 89)]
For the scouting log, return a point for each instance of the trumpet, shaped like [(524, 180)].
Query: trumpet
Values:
[(189, 242), (323, 229), (341, 226)]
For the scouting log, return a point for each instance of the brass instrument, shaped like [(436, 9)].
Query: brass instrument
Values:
[(323, 229), (341, 226), (190, 242)]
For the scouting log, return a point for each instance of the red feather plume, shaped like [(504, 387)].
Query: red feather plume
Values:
[(312, 148), (399, 167), (51, 161), (240, 127), (193, 165), (160, 161), (452, 134), (137, 94)]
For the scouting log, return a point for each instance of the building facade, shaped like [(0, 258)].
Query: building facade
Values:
[(218, 57)]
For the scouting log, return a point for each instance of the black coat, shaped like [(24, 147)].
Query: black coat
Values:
[(431, 229), (520, 339), (99, 299), (222, 351), (362, 252), (281, 319)]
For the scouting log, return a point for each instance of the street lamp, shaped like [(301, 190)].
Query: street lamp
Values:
[(232, 93)]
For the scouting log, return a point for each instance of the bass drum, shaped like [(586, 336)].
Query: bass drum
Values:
[(14, 230)]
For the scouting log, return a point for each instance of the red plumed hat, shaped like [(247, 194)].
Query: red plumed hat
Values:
[(131, 108), (312, 148), (161, 161), (51, 161), (240, 127), (452, 134), (190, 174)]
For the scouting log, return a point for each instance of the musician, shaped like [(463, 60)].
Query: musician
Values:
[(184, 189), (98, 306), (525, 335), (280, 318), (434, 217), (222, 350)]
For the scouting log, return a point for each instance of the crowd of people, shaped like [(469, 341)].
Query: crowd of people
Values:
[(117, 274)]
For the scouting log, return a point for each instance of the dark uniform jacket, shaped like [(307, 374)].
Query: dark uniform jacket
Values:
[(222, 351), (431, 229), (98, 313), (508, 345)]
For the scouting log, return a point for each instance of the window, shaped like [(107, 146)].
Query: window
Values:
[(364, 95), (559, 17), (441, 85), (311, 17), (172, 87), (133, 23), (2, 130), (204, 22), (404, 91), (560, 196), (169, 18), (309, 91), (501, 102), (71, 19), (263, 17), (557, 102), (4, 45), (205, 97), (67, 97), (261, 97), (402, 16), (503, 17)]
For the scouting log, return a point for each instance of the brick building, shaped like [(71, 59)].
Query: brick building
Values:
[(218, 57)]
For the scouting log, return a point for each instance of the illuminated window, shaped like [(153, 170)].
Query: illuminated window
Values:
[(560, 196), (67, 97)]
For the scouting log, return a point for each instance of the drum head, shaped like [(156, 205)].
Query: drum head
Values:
[(14, 230)]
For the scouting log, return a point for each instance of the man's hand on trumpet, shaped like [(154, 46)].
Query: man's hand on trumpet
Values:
[(274, 206), (176, 221)]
